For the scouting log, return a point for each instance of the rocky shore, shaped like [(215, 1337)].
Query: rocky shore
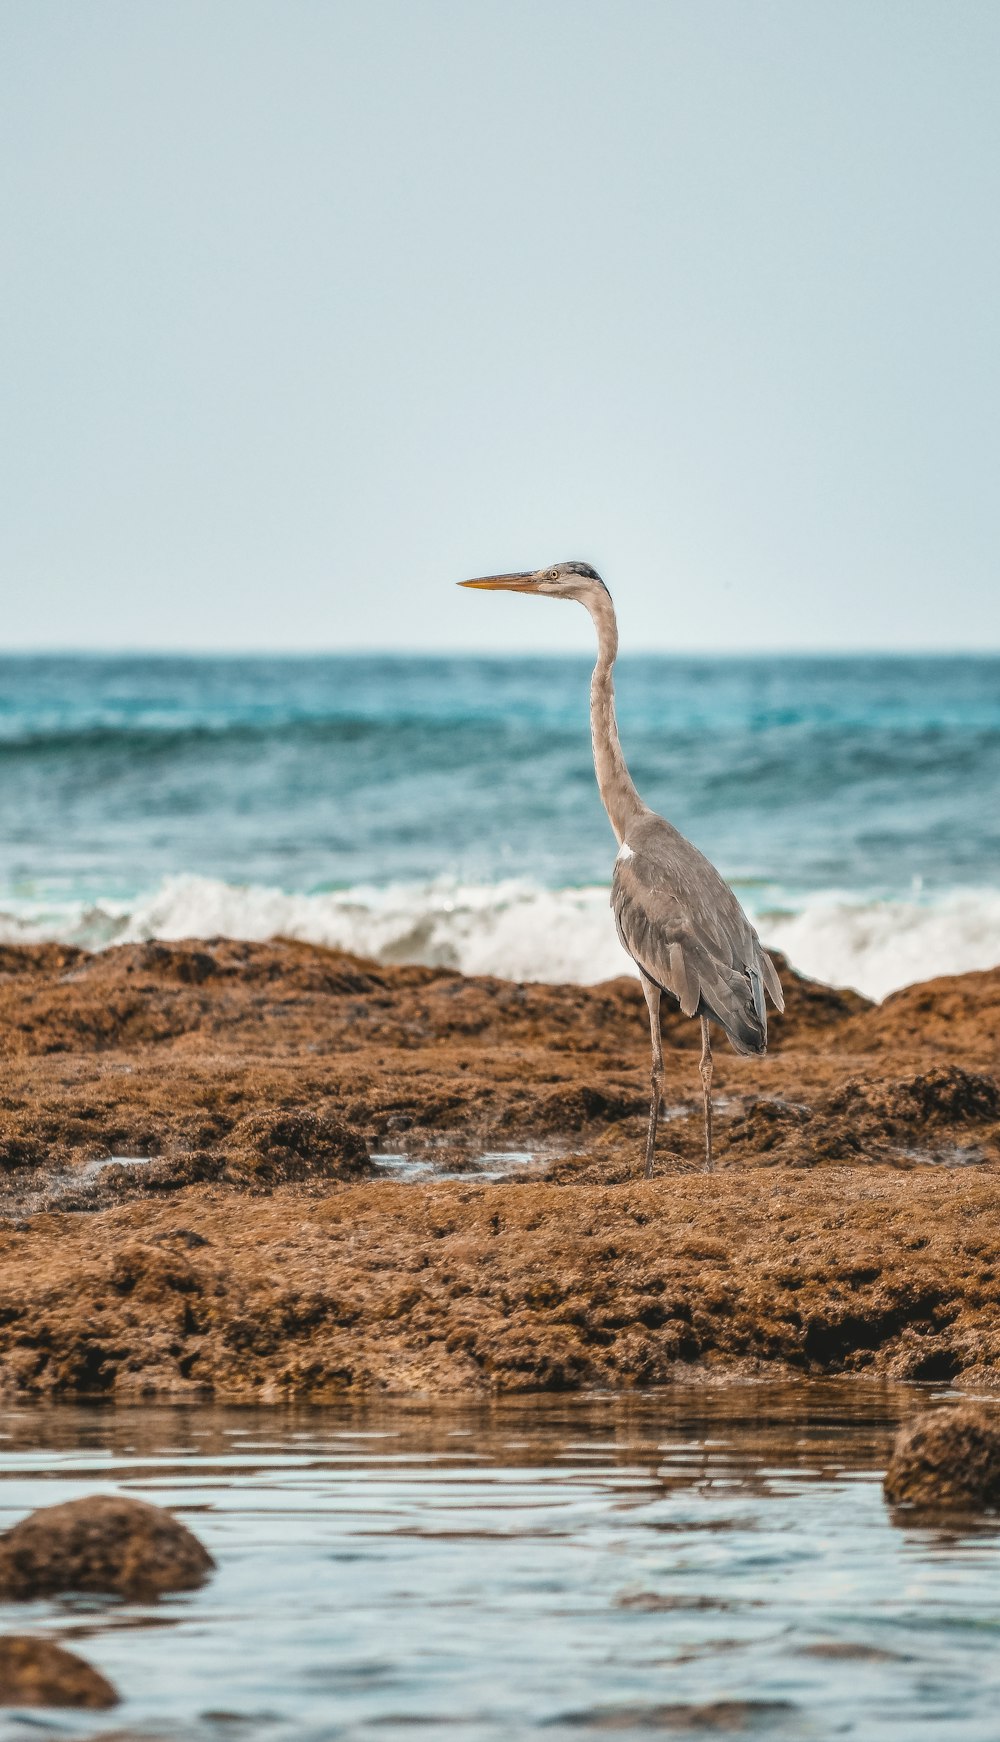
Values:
[(342, 1176)]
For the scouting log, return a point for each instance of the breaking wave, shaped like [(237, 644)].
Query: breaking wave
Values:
[(521, 930)]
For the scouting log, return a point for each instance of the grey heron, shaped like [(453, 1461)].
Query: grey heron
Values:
[(676, 916)]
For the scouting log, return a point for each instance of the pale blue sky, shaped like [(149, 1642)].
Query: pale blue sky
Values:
[(310, 308)]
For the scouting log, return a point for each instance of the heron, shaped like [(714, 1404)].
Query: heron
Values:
[(676, 915)]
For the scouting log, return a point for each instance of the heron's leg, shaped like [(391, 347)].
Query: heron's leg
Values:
[(656, 1074), (706, 1082)]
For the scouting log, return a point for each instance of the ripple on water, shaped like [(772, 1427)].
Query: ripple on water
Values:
[(703, 1560)]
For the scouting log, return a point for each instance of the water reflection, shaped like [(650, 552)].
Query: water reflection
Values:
[(710, 1559)]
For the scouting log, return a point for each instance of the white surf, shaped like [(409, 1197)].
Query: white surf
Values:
[(521, 931)]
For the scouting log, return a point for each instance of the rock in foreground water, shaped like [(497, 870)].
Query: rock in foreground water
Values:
[(101, 1543), (947, 1460), (37, 1672)]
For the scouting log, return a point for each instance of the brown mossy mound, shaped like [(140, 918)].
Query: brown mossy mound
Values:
[(266, 1148), (866, 1119), (257, 1253), (809, 1006), (101, 1543), (37, 1672), (944, 1095), (41, 959), (20, 1146), (294, 1144), (957, 1011), (468, 1286), (564, 1110), (947, 1460)]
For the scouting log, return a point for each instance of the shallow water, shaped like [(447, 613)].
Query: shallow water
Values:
[(492, 1164), (702, 1559)]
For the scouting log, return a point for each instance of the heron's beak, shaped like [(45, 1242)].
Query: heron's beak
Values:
[(521, 583)]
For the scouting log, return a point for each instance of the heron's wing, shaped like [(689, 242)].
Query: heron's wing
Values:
[(683, 926)]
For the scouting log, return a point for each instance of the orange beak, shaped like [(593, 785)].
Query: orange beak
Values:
[(521, 583)]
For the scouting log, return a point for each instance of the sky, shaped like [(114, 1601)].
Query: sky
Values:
[(311, 308)]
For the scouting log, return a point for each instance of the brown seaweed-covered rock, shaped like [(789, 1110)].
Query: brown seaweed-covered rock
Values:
[(101, 1543), (853, 1224), (19, 1146), (947, 1460), (294, 1144), (873, 1117), (943, 1095), (37, 1672)]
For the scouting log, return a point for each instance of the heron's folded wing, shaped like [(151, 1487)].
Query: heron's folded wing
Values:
[(655, 927)]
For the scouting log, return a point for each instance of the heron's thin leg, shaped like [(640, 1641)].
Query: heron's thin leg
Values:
[(656, 1074), (706, 1083)]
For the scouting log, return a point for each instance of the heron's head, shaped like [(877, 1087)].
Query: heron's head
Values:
[(558, 581)]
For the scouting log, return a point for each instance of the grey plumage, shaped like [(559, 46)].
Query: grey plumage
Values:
[(677, 918), (685, 930)]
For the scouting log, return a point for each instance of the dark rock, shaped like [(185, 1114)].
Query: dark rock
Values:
[(101, 1543), (37, 1672), (947, 1460)]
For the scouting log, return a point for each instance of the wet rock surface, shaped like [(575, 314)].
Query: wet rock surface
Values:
[(947, 1460), (267, 1100), (102, 1543), (37, 1672)]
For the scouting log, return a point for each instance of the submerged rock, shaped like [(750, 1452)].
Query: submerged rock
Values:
[(729, 1717), (947, 1460), (37, 1672), (101, 1543)]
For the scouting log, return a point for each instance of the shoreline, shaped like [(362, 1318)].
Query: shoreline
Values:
[(258, 1252)]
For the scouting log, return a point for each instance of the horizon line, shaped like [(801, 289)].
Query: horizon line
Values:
[(127, 651)]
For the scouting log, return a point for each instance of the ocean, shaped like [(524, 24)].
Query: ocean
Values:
[(444, 809)]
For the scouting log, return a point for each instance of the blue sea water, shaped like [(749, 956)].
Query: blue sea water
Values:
[(446, 807)]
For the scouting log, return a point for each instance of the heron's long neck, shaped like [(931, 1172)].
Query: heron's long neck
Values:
[(620, 799)]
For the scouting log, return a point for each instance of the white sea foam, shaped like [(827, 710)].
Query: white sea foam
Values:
[(521, 931), (879, 946)]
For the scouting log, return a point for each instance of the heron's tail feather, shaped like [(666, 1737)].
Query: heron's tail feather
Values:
[(769, 974)]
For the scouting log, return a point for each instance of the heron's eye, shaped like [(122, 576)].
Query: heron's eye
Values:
[(553, 574)]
